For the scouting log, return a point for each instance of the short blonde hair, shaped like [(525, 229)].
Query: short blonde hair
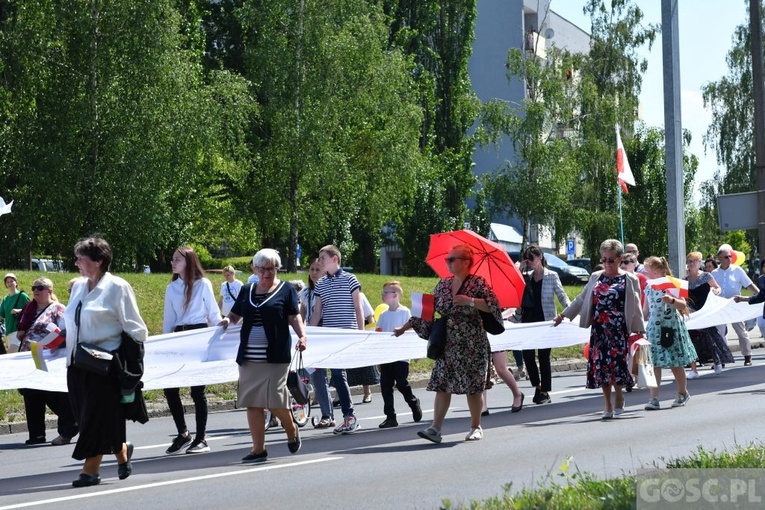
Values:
[(395, 284), (229, 270), (695, 255), (48, 283)]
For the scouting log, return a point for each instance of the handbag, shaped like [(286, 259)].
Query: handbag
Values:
[(295, 382), (667, 335), (93, 359), (491, 325), (89, 357), (437, 338), (645, 376)]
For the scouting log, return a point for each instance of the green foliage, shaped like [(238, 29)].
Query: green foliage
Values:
[(731, 132), (611, 78), (536, 186)]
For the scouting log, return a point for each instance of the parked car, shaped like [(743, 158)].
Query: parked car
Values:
[(47, 265), (569, 275), (583, 263)]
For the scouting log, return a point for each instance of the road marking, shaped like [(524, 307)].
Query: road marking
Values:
[(169, 482)]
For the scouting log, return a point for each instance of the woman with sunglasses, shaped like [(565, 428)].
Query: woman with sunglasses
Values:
[(465, 362), (38, 322), (189, 304), (103, 312), (708, 342), (610, 306), (542, 285)]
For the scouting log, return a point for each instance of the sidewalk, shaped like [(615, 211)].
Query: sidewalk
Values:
[(420, 380)]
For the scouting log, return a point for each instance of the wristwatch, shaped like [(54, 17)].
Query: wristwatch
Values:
[(472, 302)]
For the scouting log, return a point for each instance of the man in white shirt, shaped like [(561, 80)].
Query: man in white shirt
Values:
[(633, 249), (731, 280)]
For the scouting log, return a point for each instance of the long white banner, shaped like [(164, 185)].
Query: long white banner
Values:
[(206, 356)]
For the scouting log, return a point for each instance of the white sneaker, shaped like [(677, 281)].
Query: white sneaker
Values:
[(718, 369), (349, 426), (692, 374)]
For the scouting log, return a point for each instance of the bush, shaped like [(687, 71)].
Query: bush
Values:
[(239, 263), (204, 255)]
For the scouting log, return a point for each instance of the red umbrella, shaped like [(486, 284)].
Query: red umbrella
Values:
[(490, 261)]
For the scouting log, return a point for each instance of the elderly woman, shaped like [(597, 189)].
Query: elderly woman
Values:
[(664, 310), (11, 307), (102, 309), (465, 363), (34, 322), (610, 306), (267, 309)]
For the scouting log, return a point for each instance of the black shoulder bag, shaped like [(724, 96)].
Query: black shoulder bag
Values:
[(667, 338), (89, 357), (295, 382)]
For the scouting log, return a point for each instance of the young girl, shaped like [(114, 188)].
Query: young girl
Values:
[(189, 304), (664, 310), (229, 290)]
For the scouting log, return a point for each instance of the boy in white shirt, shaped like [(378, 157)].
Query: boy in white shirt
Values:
[(396, 372)]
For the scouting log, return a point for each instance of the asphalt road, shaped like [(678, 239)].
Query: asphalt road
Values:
[(394, 468)]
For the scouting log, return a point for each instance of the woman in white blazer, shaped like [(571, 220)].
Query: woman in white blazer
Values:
[(542, 285), (610, 306)]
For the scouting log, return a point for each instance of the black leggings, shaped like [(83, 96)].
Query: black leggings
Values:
[(173, 396)]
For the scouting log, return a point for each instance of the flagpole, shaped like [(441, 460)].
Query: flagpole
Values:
[(621, 221)]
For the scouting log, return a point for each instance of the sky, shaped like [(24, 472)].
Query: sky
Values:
[(705, 36)]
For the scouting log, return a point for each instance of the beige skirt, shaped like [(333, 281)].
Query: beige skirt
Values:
[(263, 384)]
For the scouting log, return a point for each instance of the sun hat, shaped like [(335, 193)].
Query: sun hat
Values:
[(10, 275)]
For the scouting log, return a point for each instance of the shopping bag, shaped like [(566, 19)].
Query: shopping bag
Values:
[(646, 376)]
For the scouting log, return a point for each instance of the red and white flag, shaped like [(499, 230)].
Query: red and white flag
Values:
[(670, 285), (623, 170), (423, 306)]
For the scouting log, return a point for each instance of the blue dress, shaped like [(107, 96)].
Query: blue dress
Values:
[(607, 361), (681, 352)]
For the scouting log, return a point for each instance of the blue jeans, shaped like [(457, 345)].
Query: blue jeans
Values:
[(340, 382), (321, 388)]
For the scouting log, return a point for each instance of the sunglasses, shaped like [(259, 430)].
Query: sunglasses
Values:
[(625, 262), (530, 258), (604, 260), (449, 260), (725, 257), (39, 287)]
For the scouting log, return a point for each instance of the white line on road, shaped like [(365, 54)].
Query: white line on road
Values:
[(169, 482)]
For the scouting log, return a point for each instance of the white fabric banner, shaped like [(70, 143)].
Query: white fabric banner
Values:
[(206, 356)]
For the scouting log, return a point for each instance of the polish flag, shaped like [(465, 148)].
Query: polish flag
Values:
[(671, 285), (423, 306), (623, 170)]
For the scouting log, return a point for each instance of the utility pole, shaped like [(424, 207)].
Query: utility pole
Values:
[(673, 137), (755, 25)]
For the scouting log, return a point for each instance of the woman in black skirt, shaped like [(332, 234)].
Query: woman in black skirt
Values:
[(102, 307)]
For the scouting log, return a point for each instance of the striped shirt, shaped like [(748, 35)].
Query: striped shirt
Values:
[(257, 343), (336, 293)]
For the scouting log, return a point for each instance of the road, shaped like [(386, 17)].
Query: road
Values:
[(393, 468)]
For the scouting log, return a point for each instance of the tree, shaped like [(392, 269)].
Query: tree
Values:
[(536, 186), (113, 114), (645, 207), (338, 132), (610, 86)]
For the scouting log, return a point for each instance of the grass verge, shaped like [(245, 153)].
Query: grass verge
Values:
[(572, 489)]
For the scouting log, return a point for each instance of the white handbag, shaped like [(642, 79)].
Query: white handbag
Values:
[(646, 377)]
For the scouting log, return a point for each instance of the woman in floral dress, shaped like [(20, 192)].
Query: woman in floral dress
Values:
[(463, 367), (663, 309), (610, 306)]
